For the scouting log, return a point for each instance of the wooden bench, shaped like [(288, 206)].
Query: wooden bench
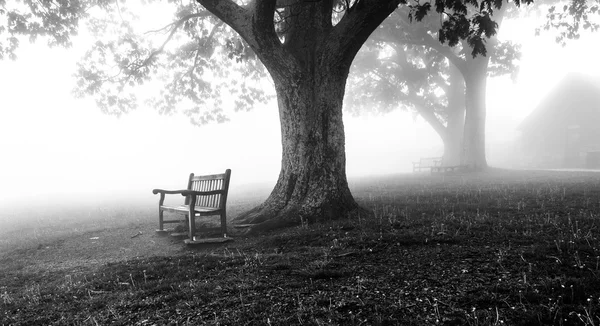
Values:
[(427, 163), (206, 195), (448, 168)]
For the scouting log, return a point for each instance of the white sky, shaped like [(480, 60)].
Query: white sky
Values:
[(52, 144)]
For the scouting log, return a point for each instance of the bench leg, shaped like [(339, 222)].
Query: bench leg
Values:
[(161, 225), (224, 225), (192, 225)]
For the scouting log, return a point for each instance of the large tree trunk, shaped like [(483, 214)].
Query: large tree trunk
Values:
[(474, 131), (310, 79), (312, 182), (309, 60), (475, 75)]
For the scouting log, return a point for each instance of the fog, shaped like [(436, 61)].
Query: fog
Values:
[(57, 150)]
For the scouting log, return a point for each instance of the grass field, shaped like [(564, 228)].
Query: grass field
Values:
[(501, 248)]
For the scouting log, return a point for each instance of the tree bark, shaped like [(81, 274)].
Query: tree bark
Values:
[(312, 182), (474, 130)]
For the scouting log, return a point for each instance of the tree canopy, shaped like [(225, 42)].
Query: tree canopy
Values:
[(196, 45), (403, 65), (416, 71)]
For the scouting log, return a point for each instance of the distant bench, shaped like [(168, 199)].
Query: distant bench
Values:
[(206, 195), (435, 165), (427, 163), (446, 169)]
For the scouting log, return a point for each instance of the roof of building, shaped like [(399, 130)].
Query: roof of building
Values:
[(575, 97)]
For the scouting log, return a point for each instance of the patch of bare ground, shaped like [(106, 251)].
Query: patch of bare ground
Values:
[(505, 247)]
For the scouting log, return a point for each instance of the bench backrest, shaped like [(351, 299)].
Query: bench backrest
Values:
[(209, 183), (431, 161)]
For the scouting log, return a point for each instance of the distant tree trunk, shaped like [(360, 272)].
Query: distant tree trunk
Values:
[(474, 130), (451, 134), (475, 75), (453, 139)]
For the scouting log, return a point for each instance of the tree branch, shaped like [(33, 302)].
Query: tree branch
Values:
[(428, 114), (192, 69), (237, 17), (359, 21), (428, 40), (423, 39), (174, 27), (423, 108), (254, 23)]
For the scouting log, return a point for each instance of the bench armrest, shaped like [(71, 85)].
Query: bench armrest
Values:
[(186, 192), (168, 192)]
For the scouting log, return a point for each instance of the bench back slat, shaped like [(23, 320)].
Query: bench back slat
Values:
[(430, 161), (210, 183)]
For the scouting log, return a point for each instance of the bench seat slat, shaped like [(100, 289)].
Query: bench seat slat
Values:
[(186, 208)]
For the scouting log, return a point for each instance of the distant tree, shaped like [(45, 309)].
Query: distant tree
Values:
[(307, 47), (386, 77), (430, 77)]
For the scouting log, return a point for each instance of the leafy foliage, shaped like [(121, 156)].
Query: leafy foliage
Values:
[(403, 66), (505, 59), (463, 20), (574, 16), (196, 61), (56, 21)]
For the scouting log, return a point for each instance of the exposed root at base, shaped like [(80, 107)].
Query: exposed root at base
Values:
[(259, 219)]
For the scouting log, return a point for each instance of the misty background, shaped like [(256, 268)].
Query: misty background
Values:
[(57, 150)]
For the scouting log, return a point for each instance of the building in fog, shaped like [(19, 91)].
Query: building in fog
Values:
[(564, 129)]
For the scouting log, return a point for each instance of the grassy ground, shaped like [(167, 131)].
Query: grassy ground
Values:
[(512, 248)]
